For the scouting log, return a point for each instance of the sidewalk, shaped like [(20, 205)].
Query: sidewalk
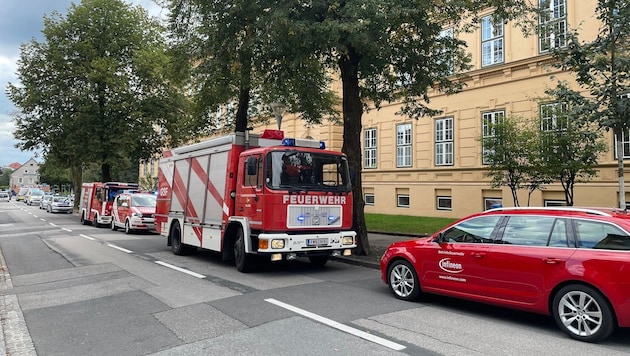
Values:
[(379, 241)]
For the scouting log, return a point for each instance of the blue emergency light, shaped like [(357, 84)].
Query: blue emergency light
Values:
[(303, 143)]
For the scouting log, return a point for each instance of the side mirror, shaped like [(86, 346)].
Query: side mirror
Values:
[(252, 166), (439, 238)]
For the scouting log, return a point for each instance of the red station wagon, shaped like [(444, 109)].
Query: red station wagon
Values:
[(571, 263)]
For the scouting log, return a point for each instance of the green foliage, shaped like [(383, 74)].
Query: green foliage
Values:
[(571, 149), (5, 178), (511, 146), (96, 88), (404, 224)]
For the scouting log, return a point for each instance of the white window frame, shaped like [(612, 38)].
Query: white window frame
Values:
[(444, 150), (553, 25), (403, 145), (370, 148), (440, 199), (402, 204), (550, 122), (625, 137), (553, 202), (369, 201), (448, 33), (492, 42), (488, 119)]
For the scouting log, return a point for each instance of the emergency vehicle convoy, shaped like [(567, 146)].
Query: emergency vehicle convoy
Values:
[(133, 211), (245, 194), (95, 206)]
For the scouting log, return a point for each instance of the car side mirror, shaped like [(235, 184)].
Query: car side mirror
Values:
[(252, 166)]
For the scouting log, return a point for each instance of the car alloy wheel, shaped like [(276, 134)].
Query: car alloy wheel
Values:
[(403, 280), (583, 313)]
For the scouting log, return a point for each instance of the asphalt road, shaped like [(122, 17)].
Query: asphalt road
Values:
[(69, 289)]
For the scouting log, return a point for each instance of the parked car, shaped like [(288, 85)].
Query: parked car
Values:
[(5, 196), (570, 263), (43, 204), (21, 194), (134, 212), (34, 196), (60, 204)]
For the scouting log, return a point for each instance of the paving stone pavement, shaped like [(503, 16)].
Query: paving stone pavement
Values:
[(15, 339)]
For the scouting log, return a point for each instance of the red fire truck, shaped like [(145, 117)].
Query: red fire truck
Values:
[(245, 194), (96, 201)]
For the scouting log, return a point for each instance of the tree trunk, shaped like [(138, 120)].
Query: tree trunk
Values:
[(106, 171), (352, 113)]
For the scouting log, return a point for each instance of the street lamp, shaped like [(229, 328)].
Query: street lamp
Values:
[(278, 110)]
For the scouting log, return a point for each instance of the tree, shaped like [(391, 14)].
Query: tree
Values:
[(601, 67), (570, 146), (510, 147), (240, 60), (95, 90)]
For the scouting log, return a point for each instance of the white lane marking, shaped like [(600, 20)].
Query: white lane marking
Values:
[(42, 219), (119, 248), (87, 237), (53, 225), (66, 229), (194, 274), (350, 330)]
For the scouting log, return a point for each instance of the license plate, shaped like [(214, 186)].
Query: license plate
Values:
[(317, 242)]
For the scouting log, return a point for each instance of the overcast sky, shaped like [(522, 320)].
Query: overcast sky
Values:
[(20, 21)]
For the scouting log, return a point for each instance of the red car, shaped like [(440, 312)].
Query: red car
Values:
[(571, 263)]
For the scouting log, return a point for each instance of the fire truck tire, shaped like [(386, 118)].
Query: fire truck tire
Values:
[(178, 247), (95, 221), (84, 221), (318, 261), (128, 229), (242, 260)]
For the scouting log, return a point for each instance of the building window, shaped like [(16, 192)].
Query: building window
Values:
[(403, 145), (369, 199), (625, 143), (444, 203), (492, 203), (447, 35), (488, 120), (491, 41), (444, 142), (553, 24), (553, 117), (369, 153), (20, 180), (555, 203), (402, 200)]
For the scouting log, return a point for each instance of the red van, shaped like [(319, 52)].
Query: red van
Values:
[(134, 212)]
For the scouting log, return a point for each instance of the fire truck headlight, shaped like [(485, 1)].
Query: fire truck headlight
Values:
[(277, 244), (136, 215), (347, 240)]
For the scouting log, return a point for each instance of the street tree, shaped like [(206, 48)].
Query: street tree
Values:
[(240, 61), (570, 143), (602, 67), (96, 88), (510, 150)]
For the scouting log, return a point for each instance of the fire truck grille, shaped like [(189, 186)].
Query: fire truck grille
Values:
[(314, 216)]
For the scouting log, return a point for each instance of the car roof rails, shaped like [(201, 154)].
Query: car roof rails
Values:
[(594, 211)]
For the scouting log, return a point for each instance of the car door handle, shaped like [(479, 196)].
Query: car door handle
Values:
[(478, 254), (551, 261)]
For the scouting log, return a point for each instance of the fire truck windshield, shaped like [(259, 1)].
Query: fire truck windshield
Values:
[(294, 169)]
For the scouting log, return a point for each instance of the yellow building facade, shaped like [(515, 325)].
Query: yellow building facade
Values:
[(434, 166)]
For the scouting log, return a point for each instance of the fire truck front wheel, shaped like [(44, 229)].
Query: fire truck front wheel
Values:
[(179, 248), (243, 260), (84, 221)]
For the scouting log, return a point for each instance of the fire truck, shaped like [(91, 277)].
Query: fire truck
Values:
[(95, 206), (245, 195)]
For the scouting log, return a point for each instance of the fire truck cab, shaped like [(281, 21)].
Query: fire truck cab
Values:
[(95, 206), (244, 195)]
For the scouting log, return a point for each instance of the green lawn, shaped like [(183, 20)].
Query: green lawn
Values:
[(419, 225)]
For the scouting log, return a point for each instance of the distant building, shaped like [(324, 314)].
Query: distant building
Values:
[(26, 175)]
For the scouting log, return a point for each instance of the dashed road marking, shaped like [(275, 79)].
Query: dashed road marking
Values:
[(350, 330), (119, 248), (194, 274), (87, 237)]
